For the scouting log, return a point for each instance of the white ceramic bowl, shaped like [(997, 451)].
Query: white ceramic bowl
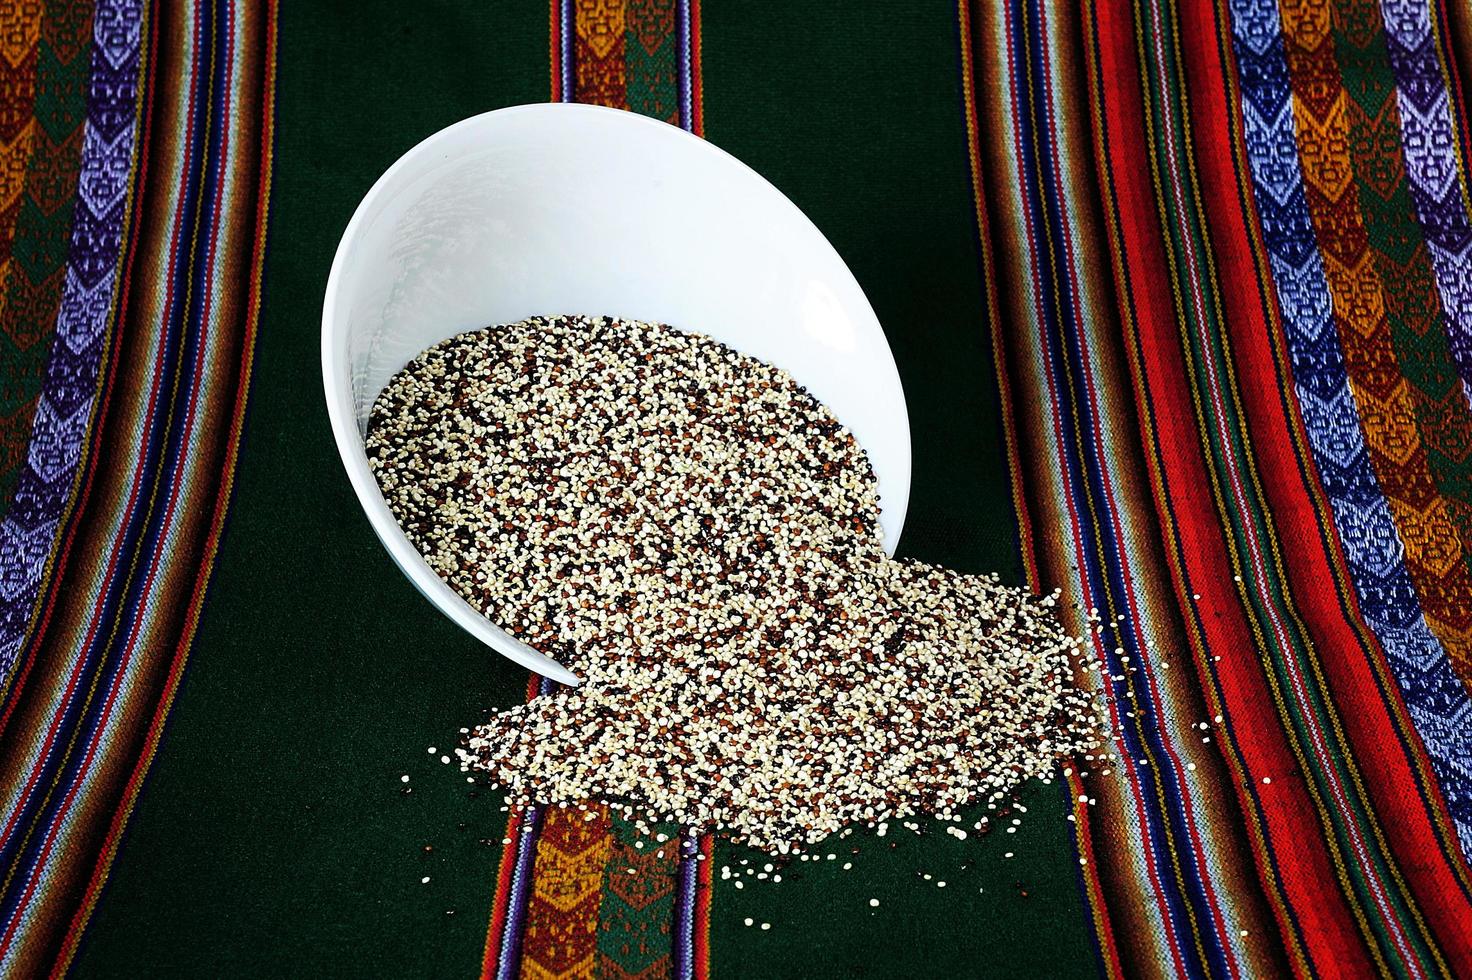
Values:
[(543, 209)]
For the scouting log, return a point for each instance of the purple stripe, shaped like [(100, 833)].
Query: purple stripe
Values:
[(684, 951), (1430, 141), (682, 43), (684, 946), (509, 960), (43, 494), (565, 44)]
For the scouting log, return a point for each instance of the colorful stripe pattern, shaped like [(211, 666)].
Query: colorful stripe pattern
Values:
[(135, 440), (1425, 105), (566, 901), (1237, 429), (1091, 513), (1374, 552), (19, 61), (1225, 246), (641, 55), (46, 396), (36, 206), (1399, 360)]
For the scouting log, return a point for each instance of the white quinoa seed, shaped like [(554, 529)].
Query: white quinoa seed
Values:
[(697, 537)]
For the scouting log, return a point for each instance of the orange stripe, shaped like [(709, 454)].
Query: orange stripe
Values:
[(20, 35), (700, 931), (491, 954), (561, 937), (599, 71)]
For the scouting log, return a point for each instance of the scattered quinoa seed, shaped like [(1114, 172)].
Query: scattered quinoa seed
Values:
[(697, 536)]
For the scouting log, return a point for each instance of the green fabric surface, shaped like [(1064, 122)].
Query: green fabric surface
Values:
[(854, 111), (273, 837)]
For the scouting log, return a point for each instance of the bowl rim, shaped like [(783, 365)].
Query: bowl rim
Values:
[(345, 427)]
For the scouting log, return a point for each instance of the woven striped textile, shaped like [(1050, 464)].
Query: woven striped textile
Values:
[(137, 248), (1231, 341), (1181, 295)]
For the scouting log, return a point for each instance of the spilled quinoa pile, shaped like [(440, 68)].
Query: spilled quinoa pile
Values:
[(697, 536)]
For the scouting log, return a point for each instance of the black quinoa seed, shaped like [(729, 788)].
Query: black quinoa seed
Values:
[(698, 537)]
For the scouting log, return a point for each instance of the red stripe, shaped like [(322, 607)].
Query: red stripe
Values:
[(491, 957), (697, 110), (1307, 874), (1098, 906), (555, 45), (700, 926)]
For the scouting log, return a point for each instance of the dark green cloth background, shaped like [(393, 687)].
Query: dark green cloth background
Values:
[(272, 837)]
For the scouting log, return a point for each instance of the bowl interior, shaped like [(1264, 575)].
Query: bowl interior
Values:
[(577, 209)]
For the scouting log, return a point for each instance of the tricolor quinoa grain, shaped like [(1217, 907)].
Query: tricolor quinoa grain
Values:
[(697, 537)]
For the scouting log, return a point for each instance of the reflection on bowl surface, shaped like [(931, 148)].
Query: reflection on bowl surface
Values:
[(565, 208)]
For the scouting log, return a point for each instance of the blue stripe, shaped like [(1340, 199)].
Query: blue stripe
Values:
[(509, 960)]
